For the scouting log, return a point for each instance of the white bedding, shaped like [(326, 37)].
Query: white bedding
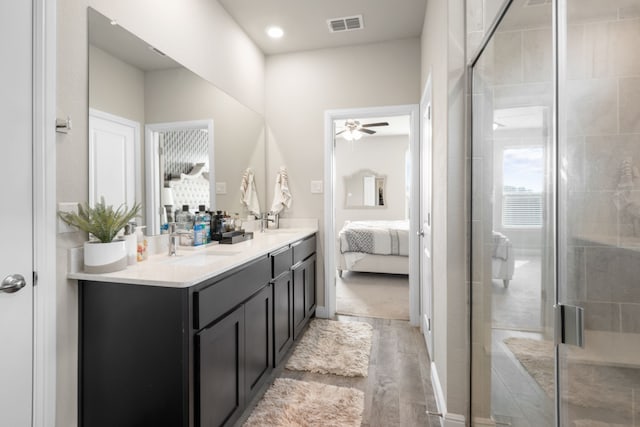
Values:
[(375, 237), (385, 244)]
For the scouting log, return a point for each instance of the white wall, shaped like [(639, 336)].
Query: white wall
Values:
[(300, 87), (198, 34), (384, 155), (443, 56)]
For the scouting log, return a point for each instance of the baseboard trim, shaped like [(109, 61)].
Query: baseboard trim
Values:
[(321, 312), (448, 419), (454, 420), (484, 422)]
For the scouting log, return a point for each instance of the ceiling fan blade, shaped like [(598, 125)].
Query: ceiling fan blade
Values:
[(367, 131), (342, 131), (375, 124)]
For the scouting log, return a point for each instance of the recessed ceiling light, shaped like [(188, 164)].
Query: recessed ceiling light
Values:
[(275, 32)]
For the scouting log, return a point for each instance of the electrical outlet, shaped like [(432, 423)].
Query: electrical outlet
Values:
[(221, 188), (63, 227)]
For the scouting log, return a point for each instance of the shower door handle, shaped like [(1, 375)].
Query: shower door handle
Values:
[(569, 325)]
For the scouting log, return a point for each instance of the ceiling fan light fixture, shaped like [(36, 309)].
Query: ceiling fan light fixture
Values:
[(352, 135)]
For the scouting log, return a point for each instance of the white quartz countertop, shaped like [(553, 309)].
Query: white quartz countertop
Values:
[(194, 265)]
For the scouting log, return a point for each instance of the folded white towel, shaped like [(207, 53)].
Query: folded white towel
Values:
[(281, 193), (248, 193)]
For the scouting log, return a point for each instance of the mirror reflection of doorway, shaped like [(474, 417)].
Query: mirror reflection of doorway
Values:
[(371, 199)]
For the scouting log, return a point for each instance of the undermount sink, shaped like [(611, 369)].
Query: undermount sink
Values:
[(201, 259), (279, 231)]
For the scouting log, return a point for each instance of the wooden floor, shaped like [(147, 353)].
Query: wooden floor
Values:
[(398, 389)]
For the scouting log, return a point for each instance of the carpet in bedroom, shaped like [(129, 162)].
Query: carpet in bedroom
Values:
[(378, 295)]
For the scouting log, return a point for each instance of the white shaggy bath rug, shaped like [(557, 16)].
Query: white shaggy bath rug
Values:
[(331, 347), (300, 403)]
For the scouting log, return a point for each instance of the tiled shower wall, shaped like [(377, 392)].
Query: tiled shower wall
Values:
[(602, 95)]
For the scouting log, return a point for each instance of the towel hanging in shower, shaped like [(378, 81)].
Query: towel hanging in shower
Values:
[(248, 193), (281, 193)]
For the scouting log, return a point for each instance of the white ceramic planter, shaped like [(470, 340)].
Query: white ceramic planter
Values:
[(105, 257)]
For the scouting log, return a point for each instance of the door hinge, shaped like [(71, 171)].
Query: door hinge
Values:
[(35, 278), (569, 325), (429, 324), (429, 112)]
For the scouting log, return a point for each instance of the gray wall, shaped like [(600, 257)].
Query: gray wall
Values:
[(385, 155), (443, 57)]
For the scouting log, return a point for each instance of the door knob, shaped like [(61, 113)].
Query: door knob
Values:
[(13, 283)]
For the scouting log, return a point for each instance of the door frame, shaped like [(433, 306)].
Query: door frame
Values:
[(413, 111), (152, 163), (44, 213), (426, 193)]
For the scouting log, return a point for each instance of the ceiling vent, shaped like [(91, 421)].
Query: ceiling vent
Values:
[(348, 23)]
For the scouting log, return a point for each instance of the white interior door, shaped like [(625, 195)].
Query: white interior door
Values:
[(426, 268), (16, 252), (112, 159)]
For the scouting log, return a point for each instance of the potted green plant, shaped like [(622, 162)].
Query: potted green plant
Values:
[(103, 253)]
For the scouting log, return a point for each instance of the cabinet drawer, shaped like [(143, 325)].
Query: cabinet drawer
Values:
[(217, 299), (281, 261), (304, 248)]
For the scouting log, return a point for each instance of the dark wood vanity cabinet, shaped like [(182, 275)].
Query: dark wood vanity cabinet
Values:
[(192, 357)]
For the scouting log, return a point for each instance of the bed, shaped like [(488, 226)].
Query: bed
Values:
[(191, 189), (373, 247)]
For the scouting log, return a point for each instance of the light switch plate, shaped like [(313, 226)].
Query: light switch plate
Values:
[(221, 188), (316, 187), (63, 227)]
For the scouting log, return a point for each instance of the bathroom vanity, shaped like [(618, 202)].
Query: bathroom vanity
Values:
[(190, 340)]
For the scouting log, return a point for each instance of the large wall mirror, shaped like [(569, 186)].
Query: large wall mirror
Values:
[(365, 189), (153, 125)]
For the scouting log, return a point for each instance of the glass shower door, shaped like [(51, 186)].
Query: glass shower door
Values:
[(512, 250), (599, 209)]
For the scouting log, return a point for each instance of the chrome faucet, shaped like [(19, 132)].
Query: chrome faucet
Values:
[(173, 239), (264, 221)]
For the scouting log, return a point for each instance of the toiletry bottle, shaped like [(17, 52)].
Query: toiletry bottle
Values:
[(184, 226), (198, 229), (206, 218), (131, 242), (142, 244)]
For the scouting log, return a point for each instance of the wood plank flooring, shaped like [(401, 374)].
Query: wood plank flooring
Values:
[(398, 388)]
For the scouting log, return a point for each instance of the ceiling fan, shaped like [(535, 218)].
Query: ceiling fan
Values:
[(353, 129)]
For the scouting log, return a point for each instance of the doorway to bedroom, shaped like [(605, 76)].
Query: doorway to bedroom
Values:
[(371, 211)]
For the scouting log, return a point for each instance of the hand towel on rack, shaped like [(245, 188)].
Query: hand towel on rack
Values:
[(281, 193), (248, 193)]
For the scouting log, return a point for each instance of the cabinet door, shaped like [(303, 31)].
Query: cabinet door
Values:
[(299, 289), (258, 315), (310, 286), (220, 350), (282, 315)]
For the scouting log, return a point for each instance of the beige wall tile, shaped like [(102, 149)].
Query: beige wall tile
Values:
[(537, 47), (629, 107), (591, 107), (507, 58)]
